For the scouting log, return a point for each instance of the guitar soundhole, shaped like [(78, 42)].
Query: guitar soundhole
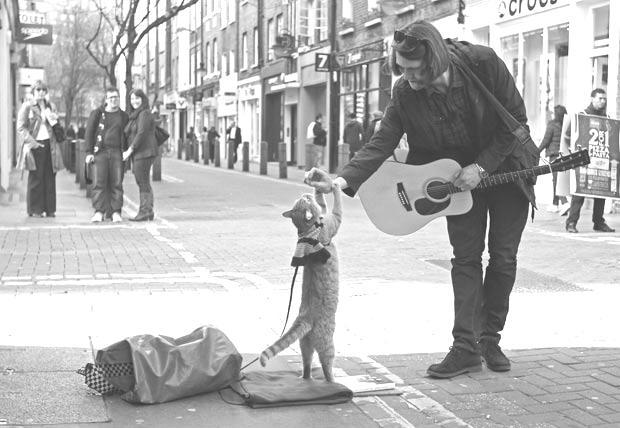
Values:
[(437, 191)]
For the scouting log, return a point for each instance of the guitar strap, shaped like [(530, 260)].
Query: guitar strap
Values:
[(516, 128)]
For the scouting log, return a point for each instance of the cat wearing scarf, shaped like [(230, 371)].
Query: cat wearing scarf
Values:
[(315, 251)]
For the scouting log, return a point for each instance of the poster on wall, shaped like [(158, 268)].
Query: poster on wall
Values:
[(601, 137)]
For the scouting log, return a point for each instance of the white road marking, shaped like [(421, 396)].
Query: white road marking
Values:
[(225, 170), (416, 399), (171, 179)]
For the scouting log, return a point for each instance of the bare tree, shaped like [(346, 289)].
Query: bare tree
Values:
[(128, 30), (68, 64)]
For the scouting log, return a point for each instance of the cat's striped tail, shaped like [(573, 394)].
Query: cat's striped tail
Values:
[(298, 330)]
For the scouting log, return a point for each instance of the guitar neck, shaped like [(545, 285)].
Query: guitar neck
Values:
[(508, 177)]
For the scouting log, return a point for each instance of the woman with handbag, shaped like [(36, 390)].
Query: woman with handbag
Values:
[(143, 148), (40, 153)]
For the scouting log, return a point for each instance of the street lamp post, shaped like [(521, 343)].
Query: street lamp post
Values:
[(334, 91)]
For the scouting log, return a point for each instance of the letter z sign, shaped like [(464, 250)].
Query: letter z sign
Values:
[(322, 62)]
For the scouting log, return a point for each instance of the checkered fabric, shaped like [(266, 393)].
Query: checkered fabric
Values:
[(96, 376)]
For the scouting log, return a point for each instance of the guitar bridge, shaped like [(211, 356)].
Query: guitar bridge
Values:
[(402, 196)]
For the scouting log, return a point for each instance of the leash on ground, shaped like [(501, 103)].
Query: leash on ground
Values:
[(288, 312)]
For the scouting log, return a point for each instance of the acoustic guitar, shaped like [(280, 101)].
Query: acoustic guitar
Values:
[(400, 198)]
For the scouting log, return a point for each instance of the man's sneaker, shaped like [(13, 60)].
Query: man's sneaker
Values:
[(116, 217), (458, 361), (493, 356), (97, 218), (552, 209), (603, 227), (571, 228)]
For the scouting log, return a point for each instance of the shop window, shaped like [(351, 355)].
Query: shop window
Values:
[(599, 72), (601, 26), (532, 52), (557, 75)]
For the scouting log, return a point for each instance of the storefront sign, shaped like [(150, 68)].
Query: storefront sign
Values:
[(601, 137), (35, 34), (508, 9), (364, 54)]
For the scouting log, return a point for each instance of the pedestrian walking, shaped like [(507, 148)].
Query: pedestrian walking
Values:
[(353, 135), (211, 136), (105, 143), (40, 152), (597, 107), (319, 141), (551, 144), (142, 148), (233, 137), (440, 105)]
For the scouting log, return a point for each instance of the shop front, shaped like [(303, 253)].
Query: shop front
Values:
[(557, 51), (366, 82), (249, 113), (312, 101)]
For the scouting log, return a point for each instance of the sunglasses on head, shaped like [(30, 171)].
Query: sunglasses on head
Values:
[(41, 89), (400, 37)]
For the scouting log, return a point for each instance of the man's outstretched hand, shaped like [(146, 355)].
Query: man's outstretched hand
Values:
[(319, 179)]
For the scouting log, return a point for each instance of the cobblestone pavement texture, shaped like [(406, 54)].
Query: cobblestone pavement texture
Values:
[(220, 247)]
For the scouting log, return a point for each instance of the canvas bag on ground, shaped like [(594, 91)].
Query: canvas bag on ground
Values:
[(166, 369)]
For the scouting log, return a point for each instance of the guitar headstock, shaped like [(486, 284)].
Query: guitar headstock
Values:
[(570, 161)]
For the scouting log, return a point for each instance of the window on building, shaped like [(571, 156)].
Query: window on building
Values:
[(279, 27), (232, 4), (216, 55), (244, 51), (231, 62), (347, 10), (271, 39), (209, 58), (224, 13), (225, 69), (373, 5), (321, 21), (255, 46), (292, 17), (600, 24)]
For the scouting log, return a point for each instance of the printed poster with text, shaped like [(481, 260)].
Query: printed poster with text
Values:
[(601, 137)]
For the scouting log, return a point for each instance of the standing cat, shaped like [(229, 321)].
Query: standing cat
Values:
[(316, 322)]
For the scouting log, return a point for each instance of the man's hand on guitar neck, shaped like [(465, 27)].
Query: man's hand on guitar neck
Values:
[(468, 178)]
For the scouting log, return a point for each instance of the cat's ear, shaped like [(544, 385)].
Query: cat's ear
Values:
[(288, 214), (309, 215)]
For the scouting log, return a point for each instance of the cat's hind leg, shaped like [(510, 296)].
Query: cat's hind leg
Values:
[(307, 352), (326, 357)]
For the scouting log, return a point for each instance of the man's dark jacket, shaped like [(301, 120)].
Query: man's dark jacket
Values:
[(498, 150), (92, 128)]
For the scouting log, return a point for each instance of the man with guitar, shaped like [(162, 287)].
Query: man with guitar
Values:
[(447, 114)]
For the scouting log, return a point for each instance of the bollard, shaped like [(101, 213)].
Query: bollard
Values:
[(188, 149), (76, 159), (196, 151), (263, 157), (282, 159), (80, 157), (179, 149), (230, 144), (245, 152), (343, 156), (216, 154), (71, 156), (310, 156), (206, 152)]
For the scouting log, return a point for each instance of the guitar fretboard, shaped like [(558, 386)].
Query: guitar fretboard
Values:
[(506, 177)]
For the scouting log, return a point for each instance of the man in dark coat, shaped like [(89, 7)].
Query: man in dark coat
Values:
[(446, 115), (353, 135), (105, 142), (233, 137)]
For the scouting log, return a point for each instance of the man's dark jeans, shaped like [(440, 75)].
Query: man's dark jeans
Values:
[(108, 183), (480, 308), (574, 212)]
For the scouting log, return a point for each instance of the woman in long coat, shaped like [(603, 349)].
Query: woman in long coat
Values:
[(140, 133), (40, 153)]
